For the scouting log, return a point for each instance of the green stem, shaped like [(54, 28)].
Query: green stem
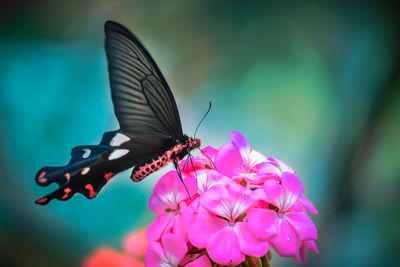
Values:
[(265, 261)]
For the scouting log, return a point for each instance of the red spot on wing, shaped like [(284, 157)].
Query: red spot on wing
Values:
[(67, 190), (67, 175), (41, 200), (108, 176), (91, 191)]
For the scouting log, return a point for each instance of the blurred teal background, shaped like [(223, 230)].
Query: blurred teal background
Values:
[(316, 85)]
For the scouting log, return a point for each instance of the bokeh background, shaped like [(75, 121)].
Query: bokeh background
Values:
[(314, 84)]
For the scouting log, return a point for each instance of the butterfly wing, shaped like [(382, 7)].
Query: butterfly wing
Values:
[(147, 114), (143, 101), (91, 167)]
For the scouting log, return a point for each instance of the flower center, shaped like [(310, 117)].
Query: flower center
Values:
[(176, 211)]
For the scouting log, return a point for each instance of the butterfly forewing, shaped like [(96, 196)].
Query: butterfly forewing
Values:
[(143, 102)]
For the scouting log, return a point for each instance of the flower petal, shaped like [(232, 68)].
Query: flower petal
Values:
[(255, 159), (308, 205), (310, 245), (159, 226), (174, 248), (212, 200), (228, 161), (293, 189), (285, 241), (156, 205), (187, 165), (164, 184), (269, 170), (206, 161), (286, 194), (205, 226), (241, 144), (223, 247), (249, 244), (170, 190), (228, 201), (202, 261), (191, 185), (183, 220), (302, 224), (154, 255), (274, 193), (262, 222), (284, 167), (210, 152)]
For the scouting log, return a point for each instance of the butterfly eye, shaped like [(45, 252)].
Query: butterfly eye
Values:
[(196, 143)]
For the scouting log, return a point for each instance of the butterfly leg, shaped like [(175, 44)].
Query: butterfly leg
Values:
[(178, 170)]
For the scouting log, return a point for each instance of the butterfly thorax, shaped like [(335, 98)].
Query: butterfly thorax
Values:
[(176, 153)]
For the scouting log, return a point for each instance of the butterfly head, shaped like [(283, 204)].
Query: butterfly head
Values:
[(196, 143), (192, 143)]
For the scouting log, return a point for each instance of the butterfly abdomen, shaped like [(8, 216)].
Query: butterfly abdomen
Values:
[(140, 172), (176, 152)]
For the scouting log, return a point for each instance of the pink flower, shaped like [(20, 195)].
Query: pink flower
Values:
[(237, 209), (135, 243), (170, 201), (169, 252), (291, 226), (105, 257), (237, 160), (220, 227)]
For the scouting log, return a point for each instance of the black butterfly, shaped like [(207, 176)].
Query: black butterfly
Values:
[(150, 133)]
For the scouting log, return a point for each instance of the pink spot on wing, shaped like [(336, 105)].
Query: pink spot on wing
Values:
[(41, 177), (90, 188), (67, 175), (108, 176)]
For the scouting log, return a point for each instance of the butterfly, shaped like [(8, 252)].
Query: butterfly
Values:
[(150, 134)]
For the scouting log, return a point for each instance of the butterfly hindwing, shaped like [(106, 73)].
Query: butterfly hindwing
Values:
[(91, 167)]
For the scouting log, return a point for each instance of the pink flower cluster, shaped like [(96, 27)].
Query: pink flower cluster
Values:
[(241, 204)]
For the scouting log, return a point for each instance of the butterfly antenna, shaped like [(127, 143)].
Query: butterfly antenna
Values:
[(205, 115), (204, 153)]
